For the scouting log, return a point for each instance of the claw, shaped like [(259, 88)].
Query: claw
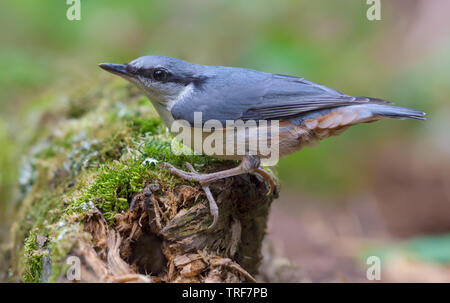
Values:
[(180, 173), (213, 208), (268, 178), (195, 176), (248, 164)]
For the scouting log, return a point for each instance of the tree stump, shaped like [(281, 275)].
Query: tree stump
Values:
[(94, 200)]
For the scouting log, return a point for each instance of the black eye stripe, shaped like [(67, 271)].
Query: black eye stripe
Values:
[(149, 73)]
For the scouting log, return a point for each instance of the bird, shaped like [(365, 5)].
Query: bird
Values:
[(302, 112)]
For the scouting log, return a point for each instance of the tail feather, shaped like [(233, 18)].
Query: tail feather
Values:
[(396, 112), (355, 114)]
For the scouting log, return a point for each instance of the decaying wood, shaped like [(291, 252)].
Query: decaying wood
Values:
[(164, 237)]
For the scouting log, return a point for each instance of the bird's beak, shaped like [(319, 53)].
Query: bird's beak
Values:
[(118, 69)]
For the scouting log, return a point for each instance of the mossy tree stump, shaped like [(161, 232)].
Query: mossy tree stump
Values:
[(92, 187)]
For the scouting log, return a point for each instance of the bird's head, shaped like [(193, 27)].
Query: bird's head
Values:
[(163, 79)]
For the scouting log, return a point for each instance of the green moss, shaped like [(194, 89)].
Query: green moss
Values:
[(144, 126), (97, 149), (162, 149), (114, 186), (32, 259)]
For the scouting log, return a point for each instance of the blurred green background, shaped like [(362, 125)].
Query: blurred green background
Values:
[(404, 58)]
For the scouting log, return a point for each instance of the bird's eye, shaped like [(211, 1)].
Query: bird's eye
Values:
[(159, 74)]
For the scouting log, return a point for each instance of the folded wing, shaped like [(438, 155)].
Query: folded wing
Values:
[(261, 96)]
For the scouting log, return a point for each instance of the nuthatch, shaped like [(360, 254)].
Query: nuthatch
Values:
[(306, 111)]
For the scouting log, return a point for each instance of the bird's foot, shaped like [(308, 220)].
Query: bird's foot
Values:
[(213, 208), (204, 180), (248, 165)]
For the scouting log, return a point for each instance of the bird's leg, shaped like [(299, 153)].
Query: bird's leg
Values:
[(248, 165)]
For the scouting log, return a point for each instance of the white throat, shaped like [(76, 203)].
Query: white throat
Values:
[(185, 93), (164, 107)]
